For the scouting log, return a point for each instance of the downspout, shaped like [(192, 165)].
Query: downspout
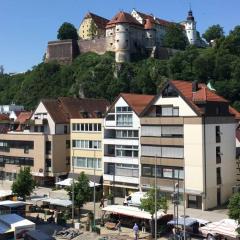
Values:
[(204, 161)]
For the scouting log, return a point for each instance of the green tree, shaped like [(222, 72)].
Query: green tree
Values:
[(92, 30), (82, 191), (234, 208), (67, 31), (148, 204), (175, 37), (24, 184), (213, 32)]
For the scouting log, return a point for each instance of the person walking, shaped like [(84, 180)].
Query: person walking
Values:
[(102, 203), (119, 226), (135, 231), (143, 225)]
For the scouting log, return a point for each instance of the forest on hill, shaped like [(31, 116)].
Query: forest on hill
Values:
[(98, 76)]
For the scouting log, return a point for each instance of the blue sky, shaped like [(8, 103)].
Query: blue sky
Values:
[(27, 25)]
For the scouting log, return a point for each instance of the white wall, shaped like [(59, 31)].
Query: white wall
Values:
[(228, 162), (42, 109), (184, 108)]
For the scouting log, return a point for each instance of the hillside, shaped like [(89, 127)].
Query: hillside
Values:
[(98, 76)]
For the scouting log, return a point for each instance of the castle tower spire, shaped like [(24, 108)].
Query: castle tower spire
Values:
[(190, 27)]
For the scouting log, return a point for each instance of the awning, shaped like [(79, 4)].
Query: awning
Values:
[(131, 211), (58, 202), (68, 182), (180, 221), (5, 193), (12, 204)]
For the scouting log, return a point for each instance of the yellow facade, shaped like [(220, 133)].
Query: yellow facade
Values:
[(84, 31), (87, 153)]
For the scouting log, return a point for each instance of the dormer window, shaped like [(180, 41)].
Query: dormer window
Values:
[(169, 92), (98, 114), (84, 114)]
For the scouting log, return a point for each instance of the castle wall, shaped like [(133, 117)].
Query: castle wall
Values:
[(98, 45)]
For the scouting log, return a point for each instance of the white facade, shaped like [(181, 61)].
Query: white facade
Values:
[(7, 109), (121, 146)]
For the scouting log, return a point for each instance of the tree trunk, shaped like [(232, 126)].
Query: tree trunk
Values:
[(152, 227)]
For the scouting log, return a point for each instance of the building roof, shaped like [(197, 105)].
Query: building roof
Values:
[(64, 108), (138, 102), (101, 22), (235, 113), (202, 95), (123, 17), (23, 117), (4, 117)]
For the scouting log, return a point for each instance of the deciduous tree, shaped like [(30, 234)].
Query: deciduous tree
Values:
[(212, 33), (24, 184), (67, 31), (234, 208)]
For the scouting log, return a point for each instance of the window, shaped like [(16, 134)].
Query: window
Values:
[(167, 173), (218, 155), (126, 151), (165, 111), (124, 120), (16, 160), (147, 170), (126, 133), (218, 134), (110, 117), (87, 127), (169, 92), (48, 162), (65, 129), (178, 173), (123, 109), (67, 144), (86, 144), (83, 162), (48, 147), (219, 180)]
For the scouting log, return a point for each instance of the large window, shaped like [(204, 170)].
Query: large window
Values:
[(167, 111), (162, 172), (126, 133), (162, 131), (123, 109), (17, 160), (83, 162), (127, 170), (124, 120), (86, 127), (86, 144), (5, 145), (163, 151), (126, 151)]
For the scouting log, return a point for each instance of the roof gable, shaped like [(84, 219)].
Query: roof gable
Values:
[(101, 22)]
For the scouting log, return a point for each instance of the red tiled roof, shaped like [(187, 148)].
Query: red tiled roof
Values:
[(138, 102), (23, 117), (203, 94), (101, 22), (64, 108), (123, 17), (4, 117), (149, 24), (235, 113)]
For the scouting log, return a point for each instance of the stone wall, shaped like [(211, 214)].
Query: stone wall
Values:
[(62, 51), (98, 45)]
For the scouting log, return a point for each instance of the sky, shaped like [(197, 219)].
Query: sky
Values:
[(27, 25)]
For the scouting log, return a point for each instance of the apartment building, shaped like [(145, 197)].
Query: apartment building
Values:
[(188, 133), (41, 142), (86, 138), (121, 144)]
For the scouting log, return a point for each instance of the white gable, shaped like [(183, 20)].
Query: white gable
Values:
[(184, 108)]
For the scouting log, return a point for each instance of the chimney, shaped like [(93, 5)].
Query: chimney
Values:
[(195, 86)]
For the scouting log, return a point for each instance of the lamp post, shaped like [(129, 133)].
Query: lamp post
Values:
[(73, 188), (155, 197), (94, 187)]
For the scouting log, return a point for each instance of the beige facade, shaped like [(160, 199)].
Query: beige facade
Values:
[(86, 146), (29, 149)]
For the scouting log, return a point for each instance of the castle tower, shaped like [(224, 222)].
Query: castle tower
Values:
[(121, 26), (190, 27)]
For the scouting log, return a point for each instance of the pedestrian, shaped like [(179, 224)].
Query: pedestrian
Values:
[(102, 203), (143, 225), (119, 226), (135, 231)]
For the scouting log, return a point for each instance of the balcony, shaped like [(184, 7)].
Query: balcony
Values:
[(124, 179)]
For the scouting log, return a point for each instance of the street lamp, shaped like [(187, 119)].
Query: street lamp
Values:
[(73, 187)]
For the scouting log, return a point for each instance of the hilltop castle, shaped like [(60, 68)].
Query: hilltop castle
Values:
[(125, 34)]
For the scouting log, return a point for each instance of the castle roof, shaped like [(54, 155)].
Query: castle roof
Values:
[(123, 17), (101, 22), (190, 16)]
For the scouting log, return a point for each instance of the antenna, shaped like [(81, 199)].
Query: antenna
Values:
[(190, 5)]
